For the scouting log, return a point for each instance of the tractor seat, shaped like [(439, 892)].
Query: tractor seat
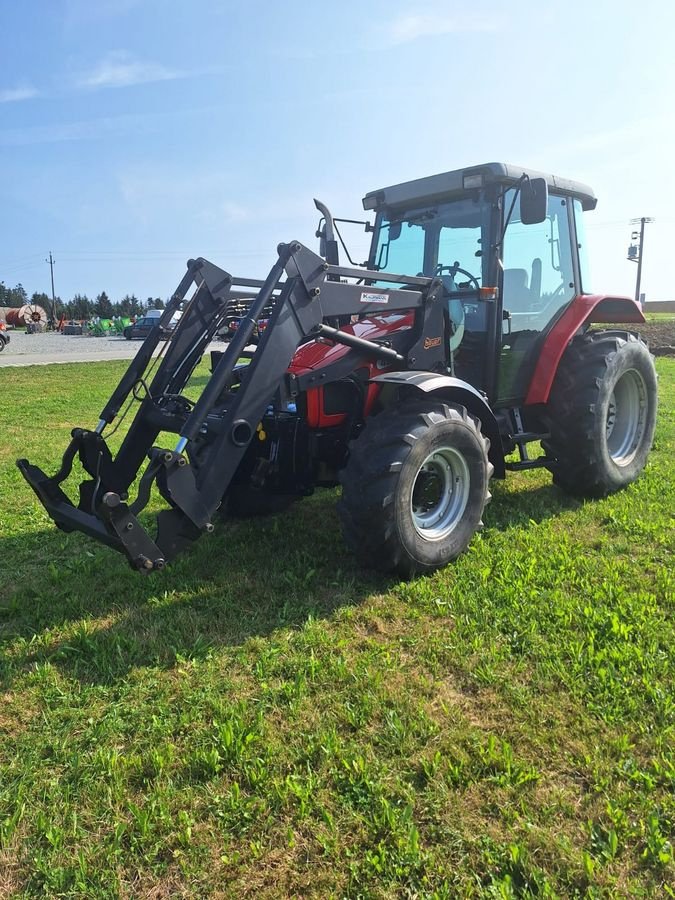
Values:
[(516, 290)]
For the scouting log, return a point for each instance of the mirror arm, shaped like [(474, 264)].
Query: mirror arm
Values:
[(517, 186), (344, 246)]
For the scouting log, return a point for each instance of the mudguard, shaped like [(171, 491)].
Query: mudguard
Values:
[(455, 390), (583, 310)]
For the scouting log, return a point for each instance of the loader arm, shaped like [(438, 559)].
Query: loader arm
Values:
[(214, 433)]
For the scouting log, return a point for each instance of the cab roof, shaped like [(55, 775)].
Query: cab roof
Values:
[(448, 185)]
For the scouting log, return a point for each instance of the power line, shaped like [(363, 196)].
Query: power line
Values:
[(24, 268)]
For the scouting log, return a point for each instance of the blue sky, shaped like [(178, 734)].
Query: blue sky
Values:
[(137, 133)]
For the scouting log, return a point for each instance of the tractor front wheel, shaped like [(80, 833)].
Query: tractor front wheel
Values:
[(601, 414), (414, 487)]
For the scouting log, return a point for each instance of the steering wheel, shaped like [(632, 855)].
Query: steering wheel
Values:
[(453, 270), (551, 298), (559, 290)]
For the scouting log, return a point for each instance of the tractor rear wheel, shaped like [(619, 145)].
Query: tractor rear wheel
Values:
[(602, 413), (414, 487)]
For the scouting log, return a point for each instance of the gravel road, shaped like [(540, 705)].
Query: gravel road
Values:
[(51, 347)]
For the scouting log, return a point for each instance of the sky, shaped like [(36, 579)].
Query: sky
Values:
[(135, 134)]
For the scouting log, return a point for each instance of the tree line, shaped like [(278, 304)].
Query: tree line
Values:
[(81, 306)]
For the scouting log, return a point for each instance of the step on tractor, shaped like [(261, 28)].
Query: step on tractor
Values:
[(464, 342)]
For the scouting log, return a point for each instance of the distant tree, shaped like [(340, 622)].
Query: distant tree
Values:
[(18, 296), (103, 307), (4, 292), (158, 303), (59, 306), (129, 305), (80, 307)]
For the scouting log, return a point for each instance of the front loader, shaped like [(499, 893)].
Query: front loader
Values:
[(411, 380)]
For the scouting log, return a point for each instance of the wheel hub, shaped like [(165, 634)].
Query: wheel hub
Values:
[(440, 493), (626, 417)]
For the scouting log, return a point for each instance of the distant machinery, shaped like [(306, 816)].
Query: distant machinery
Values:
[(30, 315)]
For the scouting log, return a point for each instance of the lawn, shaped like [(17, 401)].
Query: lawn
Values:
[(264, 719)]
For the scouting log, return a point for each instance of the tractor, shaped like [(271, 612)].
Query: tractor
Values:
[(463, 348)]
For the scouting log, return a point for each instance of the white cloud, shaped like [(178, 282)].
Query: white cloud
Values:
[(119, 69), (410, 26), (21, 92), (102, 128)]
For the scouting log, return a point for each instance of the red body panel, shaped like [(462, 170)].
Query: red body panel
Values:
[(585, 308), (317, 417), (320, 353)]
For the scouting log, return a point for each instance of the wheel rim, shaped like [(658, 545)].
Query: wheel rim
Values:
[(440, 493), (626, 417)]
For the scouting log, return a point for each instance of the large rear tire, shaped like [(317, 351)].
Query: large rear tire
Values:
[(414, 487), (602, 413)]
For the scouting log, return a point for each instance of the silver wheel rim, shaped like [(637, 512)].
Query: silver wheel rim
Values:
[(440, 493), (626, 417)]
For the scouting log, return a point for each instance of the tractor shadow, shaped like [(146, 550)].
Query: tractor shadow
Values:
[(79, 607), (513, 506)]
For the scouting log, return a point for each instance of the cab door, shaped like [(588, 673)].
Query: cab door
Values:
[(538, 283)]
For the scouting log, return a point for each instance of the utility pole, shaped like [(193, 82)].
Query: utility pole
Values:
[(51, 262), (635, 253)]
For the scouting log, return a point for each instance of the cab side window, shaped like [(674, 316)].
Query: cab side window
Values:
[(538, 284), (538, 270)]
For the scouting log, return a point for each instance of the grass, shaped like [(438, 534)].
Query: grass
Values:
[(262, 719)]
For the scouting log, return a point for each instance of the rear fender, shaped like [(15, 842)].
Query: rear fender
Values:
[(585, 309), (454, 390)]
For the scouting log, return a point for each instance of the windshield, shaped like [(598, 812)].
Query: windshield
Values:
[(446, 240)]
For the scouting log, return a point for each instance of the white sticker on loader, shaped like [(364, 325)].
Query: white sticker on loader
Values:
[(374, 298)]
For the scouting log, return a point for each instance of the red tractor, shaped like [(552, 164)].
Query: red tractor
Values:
[(410, 380)]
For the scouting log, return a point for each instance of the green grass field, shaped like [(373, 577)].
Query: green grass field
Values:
[(263, 719)]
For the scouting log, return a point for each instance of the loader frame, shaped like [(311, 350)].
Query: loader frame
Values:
[(214, 434)]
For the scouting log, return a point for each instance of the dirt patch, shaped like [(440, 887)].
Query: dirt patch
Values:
[(660, 336)]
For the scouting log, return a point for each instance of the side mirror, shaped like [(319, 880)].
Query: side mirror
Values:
[(533, 201)]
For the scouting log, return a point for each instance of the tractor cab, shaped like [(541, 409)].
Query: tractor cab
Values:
[(507, 243)]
